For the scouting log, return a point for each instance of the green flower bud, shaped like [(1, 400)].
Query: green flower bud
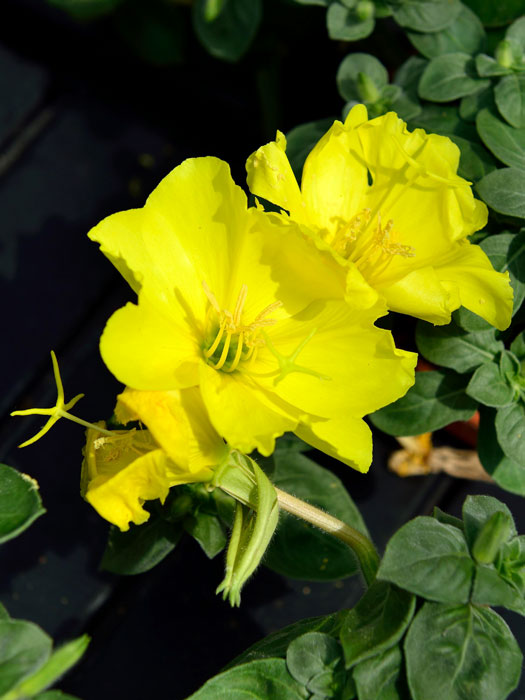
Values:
[(367, 88), (494, 533), (364, 10), (504, 54)]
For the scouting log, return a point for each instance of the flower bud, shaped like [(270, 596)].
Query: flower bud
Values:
[(494, 533)]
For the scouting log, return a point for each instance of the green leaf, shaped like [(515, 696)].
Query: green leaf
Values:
[(24, 648), (207, 529), (503, 191), (518, 346), (459, 651), (489, 387), (477, 510), (510, 429), (351, 67), (298, 549), (492, 589), (299, 143), (315, 661), (276, 644), (377, 678), (509, 94), (453, 347), (377, 622), (443, 119), (496, 14), (507, 252), (506, 142), (474, 162), (407, 77), (258, 680), (447, 519), (344, 23), (4, 615), (471, 105), (505, 472), (436, 399), (430, 559), (425, 15), (60, 661), (464, 34), (231, 33), (488, 67), (20, 502), (140, 548), (155, 31), (450, 76), (469, 321)]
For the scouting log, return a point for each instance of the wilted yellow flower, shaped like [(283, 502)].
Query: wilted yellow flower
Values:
[(392, 208), (124, 468), (256, 319)]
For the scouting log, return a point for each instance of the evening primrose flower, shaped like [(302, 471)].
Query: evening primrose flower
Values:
[(124, 468), (392, 208), (255, 319)]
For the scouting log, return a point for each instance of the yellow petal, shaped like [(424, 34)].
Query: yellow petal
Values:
[(469, 274), (179, 422), (352, 367), (148, 350), (356, 116), (345, 438), (271, 177), (242, 413), (421, 294)]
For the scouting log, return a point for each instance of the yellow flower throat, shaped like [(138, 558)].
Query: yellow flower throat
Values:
[(234, 342)]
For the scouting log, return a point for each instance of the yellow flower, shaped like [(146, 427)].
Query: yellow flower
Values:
[(253, 318), (124, 468), (394, 211)]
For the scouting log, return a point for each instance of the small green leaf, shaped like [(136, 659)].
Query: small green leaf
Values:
[(258, 680), (506, 251), (505, 472), (452, 347), (518, 346), (140, 548), (207, 529), (378, 678), (471, 105), (450, 76), (24, 648), (4, 615), (464, 34), (489, 387), (231, 32), (20, 502), (435, 400), (492, 589), (447, 519), (377, 622), (509, 94), (459, 651), (503, 191), (316, 661), (510, 429), (443, 119), (506, 142), (496, 14), (300, 550), (474, 162), (425, 15), (60, 661), (477, 510), (344, 23), (488, 67), (351, 67), (430, 559)]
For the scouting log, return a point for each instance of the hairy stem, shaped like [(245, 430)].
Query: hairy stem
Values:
[(362, 546)]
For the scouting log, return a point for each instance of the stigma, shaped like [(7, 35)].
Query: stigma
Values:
[(232, 341)]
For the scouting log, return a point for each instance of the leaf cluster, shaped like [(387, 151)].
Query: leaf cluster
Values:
[(28, 663), (424, 628)]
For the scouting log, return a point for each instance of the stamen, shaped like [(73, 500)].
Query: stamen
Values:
[(268, 310), (224, 353), (240, 304), (211, 297), (211, 350), (237, 357)]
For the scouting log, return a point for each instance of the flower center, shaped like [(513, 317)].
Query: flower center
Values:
[(369, 246), (230, 341)]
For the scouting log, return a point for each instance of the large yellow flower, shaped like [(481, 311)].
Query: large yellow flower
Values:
[(391, 206), (256, 319), (124, 468)]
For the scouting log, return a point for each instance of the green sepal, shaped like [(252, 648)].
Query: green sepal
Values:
[(256, 517), (489, 540)]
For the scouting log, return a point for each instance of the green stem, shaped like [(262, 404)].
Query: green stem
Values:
[(362, 546)]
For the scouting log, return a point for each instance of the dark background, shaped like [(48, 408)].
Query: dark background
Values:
[(88, 128)]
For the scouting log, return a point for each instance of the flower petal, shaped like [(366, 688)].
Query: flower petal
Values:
[(148, 350), (179, 422), (421, 294), (345, 438), (243, 413)]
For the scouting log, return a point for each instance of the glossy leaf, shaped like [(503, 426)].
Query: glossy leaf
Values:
[(459, 651), (429, 559), (436, 399), (20, 502), (377, 622)]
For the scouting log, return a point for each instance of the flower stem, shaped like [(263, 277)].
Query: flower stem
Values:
[(362, 546)]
